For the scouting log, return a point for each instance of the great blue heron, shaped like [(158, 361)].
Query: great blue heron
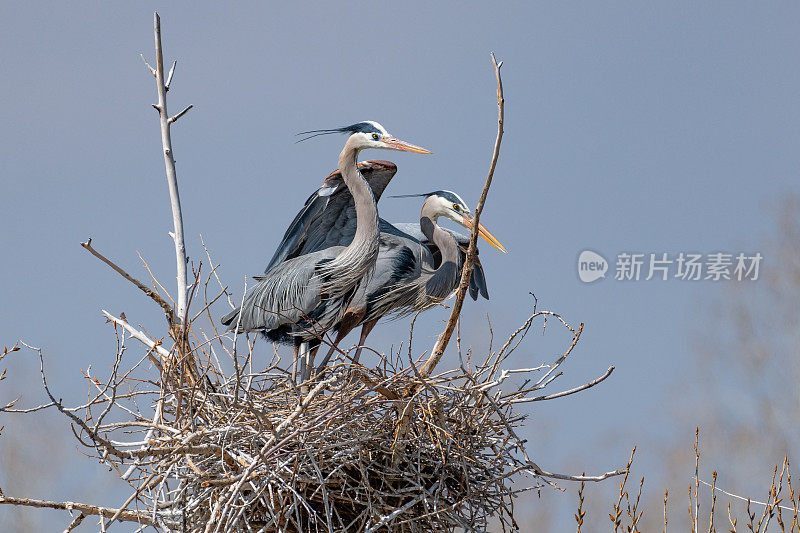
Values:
[(418, 266), (299, 299), (327, 219)]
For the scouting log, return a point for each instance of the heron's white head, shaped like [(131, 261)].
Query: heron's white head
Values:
[(370, 134), (450, 205)]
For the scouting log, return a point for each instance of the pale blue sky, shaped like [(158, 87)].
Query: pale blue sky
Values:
[(630, 126)]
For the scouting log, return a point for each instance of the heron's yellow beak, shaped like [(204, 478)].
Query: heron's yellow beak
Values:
[(397, 144), (486, 234)]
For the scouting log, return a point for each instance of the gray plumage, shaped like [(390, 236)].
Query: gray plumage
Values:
[(328, 217), (303, 296), (288, 300), (418, 266), (477, 282), (300, 296)]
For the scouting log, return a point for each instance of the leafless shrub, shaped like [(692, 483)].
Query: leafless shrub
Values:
[(777, 512)]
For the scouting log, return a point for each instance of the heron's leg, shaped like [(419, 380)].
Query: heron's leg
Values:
[(295, 359), (301, 357), (311, 352), (365, 331), (340, 334)]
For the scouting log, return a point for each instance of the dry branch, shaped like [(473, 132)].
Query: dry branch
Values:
[(144, 288), (443, 339), (83, 508), (172, 176)]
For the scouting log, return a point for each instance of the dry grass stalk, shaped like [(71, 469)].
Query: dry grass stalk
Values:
[(772, 516), (581, 514)]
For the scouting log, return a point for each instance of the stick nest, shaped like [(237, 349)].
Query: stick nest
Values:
[(343, 457), (354, 450)]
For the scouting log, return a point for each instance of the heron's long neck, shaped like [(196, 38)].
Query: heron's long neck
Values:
[(358, 258), (366, 210), (444, 278)]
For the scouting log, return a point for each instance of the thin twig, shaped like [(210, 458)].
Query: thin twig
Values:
[(742, 498), (168, 311), (443, 339), (567, 392), (174, 118)]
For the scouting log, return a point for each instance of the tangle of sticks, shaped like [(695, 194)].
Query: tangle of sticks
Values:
[(247, 451)]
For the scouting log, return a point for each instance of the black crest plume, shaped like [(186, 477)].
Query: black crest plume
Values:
[(358, 127)]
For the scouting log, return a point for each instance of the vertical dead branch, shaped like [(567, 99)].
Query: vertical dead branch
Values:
[(444, 338), (172, 177), (579, 516), (695, 515)]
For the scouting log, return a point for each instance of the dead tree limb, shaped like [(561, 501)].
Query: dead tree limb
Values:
[(172, 177), (441, 342), (168, 311), (83, 508)]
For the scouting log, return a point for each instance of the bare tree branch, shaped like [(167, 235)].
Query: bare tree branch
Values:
[(174, 118), (151, 69), (567, 477), (138, 335), (172, 177), (567, 392), (84, 508), (169, 76), (168, 311), (443, 339), (75, 522)]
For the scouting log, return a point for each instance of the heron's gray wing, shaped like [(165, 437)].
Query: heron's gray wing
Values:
[(477, 282), (410, 228), (329, 216), (378, 174), (287, 294), (294, 238), (400, 261)]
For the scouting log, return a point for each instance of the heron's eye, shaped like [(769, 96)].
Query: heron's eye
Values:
[(456, 208), (375, 136)]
